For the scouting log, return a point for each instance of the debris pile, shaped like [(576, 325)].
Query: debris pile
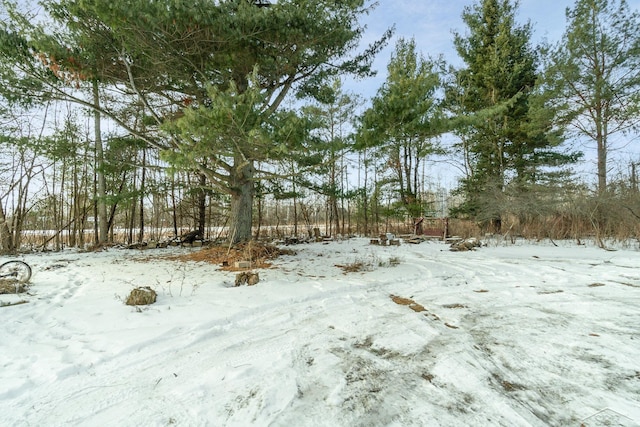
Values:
[(235, 257), (465, 245)]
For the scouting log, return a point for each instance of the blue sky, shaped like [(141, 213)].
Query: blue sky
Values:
[(432, 23)]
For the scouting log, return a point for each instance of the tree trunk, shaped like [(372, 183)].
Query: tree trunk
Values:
[(114, 206), (260, 212), (602, 161), (174, 211), (333, 197), (142, 190), (295, 204), (101, 183), (132, 212), (365, 201), (73, 232), (344, 187), (6, 239), (63, 184), (22, 209), (242, 186), (54, 207), (335, 215), (202, 205)]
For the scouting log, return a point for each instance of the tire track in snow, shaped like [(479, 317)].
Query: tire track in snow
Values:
[(319, 352), (220, 348)]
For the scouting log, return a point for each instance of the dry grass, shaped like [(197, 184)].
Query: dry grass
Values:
[(257, 253), (455, 306), (368, 263), (354, 267), (408, 302), (12, 287), (507, 385)]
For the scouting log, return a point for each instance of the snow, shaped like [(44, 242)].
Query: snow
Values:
[(525, 334)]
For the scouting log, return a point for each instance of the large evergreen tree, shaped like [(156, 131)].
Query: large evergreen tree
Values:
[(211, 75), (505, 141), (594, 74), (404, 122)]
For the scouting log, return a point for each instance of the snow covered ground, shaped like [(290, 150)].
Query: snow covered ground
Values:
[(511, 335)]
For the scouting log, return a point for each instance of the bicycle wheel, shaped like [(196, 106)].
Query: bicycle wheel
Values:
[(16, 270)]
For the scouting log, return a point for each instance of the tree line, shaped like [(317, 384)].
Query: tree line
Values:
[(119, 119)]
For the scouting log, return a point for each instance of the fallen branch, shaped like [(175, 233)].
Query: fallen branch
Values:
[(9, 304)]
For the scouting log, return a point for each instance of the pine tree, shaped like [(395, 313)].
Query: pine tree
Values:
[(405, 121), (505, 138), (211, 76), (594, 74)]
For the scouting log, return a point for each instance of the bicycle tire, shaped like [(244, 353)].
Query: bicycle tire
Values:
[(15, 269)]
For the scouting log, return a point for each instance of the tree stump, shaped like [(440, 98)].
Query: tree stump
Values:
[(249, 278)]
